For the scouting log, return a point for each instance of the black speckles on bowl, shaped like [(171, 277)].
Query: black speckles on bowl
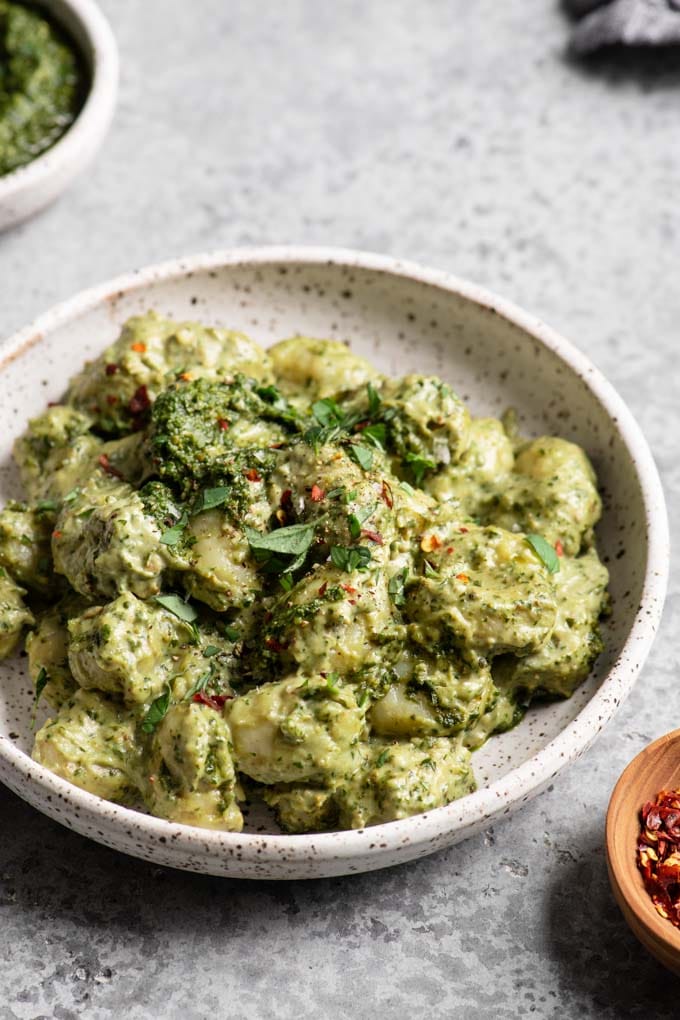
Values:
[(404, 318)]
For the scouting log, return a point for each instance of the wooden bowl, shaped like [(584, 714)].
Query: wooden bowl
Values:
[(654, 769)]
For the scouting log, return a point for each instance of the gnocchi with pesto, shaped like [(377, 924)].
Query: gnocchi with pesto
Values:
[(281, 574)]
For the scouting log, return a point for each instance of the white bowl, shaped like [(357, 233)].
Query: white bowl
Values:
[(28, 189), (404, 318)]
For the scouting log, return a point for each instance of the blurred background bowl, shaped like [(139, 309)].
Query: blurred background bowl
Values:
[(30, 188)]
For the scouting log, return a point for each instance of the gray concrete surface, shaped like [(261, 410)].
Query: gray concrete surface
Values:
[(456, 134)]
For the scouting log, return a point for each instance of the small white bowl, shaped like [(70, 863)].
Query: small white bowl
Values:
[(404, 318), (30, 188)]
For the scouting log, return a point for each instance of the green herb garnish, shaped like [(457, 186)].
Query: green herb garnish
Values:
[(174, 534), (41, 682), (361, 455), (178, 607), (355, 520), (348, 559), (156, 712), (395, 587), (211, 650), (376, 435), (291, 543), (373, 400), (210, 498), (382, 758), (418, 466), (545, 552)]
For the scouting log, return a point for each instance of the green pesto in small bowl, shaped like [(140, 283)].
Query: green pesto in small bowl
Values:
[(43, 83)]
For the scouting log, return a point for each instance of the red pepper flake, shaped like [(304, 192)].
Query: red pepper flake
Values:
[(462, 577), (222, 424), (372, 536), (56, 534), (139, 347), (252, 475), (386, 494), (275, 646), (111, 368), (111, 399), (463, 531), (276, 446), (559, 548), (352, 602), (322, 589), (286, 498), (106, 465), (658, 853), (186, 376), (450, 549), (317, 494), (54, 403), (216, 701), (348, 588), (361, 425), (139, 401), (429, 543)]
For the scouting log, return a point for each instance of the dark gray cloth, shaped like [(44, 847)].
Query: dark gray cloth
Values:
[(629, 22)]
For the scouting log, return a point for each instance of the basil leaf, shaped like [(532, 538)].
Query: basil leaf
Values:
[(373, 400), (545, 552), (355, 520), (178, 607), (210, 650), (41, 682), (293, 541), (395, 587), (210, 498), (418, 466), (327, 412), (376, 435), (174, 534), (382, 758), (348, 559), (199, 685), (231, 632), (273, 395), (46, 504), (156, 712), (361, 455), (286, 582)]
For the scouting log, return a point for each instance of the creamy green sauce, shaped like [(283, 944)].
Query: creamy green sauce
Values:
[(285, 575), (42, 84)]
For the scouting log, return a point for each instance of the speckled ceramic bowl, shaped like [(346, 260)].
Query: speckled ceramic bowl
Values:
[(404, 318), (30, 188)]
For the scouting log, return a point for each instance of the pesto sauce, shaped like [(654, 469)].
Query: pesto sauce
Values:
[(42, 85)]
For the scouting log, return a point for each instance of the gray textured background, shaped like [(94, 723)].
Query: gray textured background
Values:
[(456, 134)]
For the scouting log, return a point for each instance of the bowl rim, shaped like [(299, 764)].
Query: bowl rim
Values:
[(93, 119), (473, 810)]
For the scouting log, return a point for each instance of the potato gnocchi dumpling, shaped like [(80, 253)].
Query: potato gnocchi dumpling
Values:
[(282, 574)]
